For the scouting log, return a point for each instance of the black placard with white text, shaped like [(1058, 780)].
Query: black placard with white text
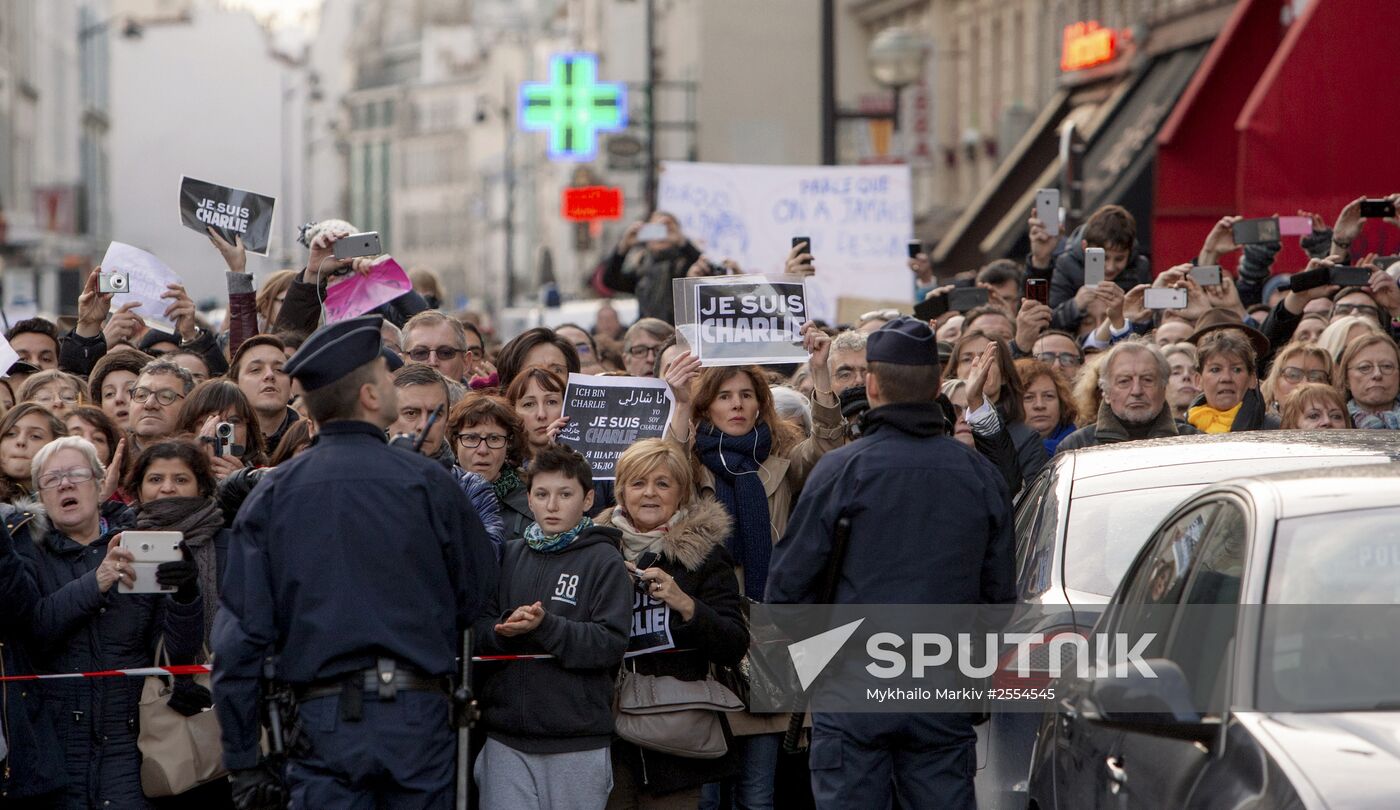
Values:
[(742, 322), (609, 414), (231, 212)]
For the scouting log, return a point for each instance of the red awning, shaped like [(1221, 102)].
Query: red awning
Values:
[(1279, 120)]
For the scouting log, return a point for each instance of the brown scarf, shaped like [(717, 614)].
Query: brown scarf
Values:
[(199, 520)]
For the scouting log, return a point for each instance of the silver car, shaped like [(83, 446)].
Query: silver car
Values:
[(1085, 517)]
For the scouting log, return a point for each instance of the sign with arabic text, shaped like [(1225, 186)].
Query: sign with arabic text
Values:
[(609, 414)]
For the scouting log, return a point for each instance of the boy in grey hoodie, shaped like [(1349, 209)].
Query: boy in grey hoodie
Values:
[(566, 592)]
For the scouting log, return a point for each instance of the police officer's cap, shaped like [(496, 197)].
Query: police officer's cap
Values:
[(904, 341), (334, 351)]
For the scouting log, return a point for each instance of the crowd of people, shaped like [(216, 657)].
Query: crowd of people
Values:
[(213, 430)]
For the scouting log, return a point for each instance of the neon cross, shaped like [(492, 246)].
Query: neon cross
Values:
[(573, 106)]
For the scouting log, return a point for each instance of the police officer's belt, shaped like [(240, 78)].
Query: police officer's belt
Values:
[(382, 681)]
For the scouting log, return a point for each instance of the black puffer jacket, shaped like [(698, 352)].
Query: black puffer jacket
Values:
[(34, 765), (693, 551), (79, 629), (648, 276), (1069, 277)]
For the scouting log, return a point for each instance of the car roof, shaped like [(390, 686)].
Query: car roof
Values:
[(1339, 489), (1206, 459)]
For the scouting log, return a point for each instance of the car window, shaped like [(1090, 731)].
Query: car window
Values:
[(1035, 536), (1105, 532), (1203, 633), (1156, 583), (1328, 640)]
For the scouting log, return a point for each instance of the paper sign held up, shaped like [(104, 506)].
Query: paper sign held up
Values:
[(739, 320), (232, 212), (607, 415), (148, 279), (359, 294)]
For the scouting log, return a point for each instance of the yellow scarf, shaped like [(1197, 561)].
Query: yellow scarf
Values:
[(1208, 420)]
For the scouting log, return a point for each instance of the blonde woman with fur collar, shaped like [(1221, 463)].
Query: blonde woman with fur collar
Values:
[(690, 595)]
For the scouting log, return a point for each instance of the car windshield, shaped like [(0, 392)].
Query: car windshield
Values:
[(1330, 637), (1105, 532)]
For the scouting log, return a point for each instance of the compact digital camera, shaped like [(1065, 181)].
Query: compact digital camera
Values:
[(113, 282)]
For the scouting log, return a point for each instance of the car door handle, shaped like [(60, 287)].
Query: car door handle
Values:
[(1117, 774)]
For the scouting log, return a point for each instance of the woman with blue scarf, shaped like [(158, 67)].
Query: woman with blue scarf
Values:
[(754, 464)]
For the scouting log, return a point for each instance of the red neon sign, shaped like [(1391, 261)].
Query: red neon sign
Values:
[(592, 203), (1087, 44)]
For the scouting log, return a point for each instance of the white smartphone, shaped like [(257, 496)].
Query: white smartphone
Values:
[(148, 551), (1093, 266), (652, 232), (1164, 298), (356, 245), (1047, 209)]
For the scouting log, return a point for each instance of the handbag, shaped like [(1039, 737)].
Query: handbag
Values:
[(666, 714), (177, 752)]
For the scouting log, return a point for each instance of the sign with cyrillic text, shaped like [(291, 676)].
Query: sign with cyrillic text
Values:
[(231, 212), (607, 415)]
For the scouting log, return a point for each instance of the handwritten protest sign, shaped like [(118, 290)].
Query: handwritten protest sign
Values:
[(739, 320), (359, 294), (858, 218), (232, 212), (651, 626), (147, 279), (609, 414)]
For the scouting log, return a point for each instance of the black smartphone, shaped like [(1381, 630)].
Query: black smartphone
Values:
[(931, 308), (1350, 276), (797, 240), (915, 248), (968, 298), (1377, 209), (1254, 231), (1038, 289), (1310, 279)]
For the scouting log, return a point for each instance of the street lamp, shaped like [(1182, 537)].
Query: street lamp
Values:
[(896, 60)]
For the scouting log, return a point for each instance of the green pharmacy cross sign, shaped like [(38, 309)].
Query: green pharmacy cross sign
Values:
[(573, 106)]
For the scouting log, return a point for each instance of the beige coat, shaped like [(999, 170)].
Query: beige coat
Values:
[(783, 478)]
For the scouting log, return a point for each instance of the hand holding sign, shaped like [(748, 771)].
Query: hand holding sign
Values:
[(662, 587), (148, 279), (181, 311), (125, 326), (231, 212), (235, 255)]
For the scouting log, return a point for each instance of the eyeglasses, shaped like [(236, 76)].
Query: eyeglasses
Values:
[(422, 353), (1060, 358), (1368, 368), (879, 315), (164, 396), (1352, 309), (644, 351), (495, 441), (77, 475), (49, 399), (1295, 375)]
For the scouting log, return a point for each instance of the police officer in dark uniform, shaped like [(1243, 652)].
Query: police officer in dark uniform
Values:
[(355, 567), (930, 523)]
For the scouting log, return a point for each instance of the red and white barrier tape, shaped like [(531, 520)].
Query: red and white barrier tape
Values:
[(202, 669)]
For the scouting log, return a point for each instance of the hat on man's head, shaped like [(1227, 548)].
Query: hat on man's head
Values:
[(391, 357), (904, 341), (334, 351), (154, 336)]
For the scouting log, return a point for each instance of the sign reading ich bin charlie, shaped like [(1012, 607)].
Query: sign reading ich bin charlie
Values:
[(607, 415), (231, 212), (740, 320)]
